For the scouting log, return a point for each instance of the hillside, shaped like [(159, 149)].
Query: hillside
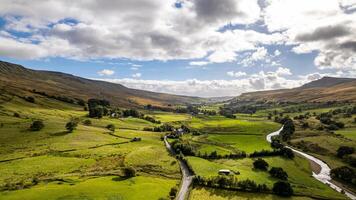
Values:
[(322, 90), (20, 81)]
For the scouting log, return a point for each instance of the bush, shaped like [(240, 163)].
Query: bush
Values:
[(287, 152), (71, 125), (344, 150), (282, 188), (37, 125), (129, 172), (278, 172), (87, 122), (111, 127), (173, 192), (17, 115), (260, 164), (344, 173), (30, 99)]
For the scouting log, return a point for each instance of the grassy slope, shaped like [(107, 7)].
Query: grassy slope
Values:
[(80, 157)]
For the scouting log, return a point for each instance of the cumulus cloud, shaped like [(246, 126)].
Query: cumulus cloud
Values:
[(236, 74), (310, 27), (136, 75), (106, 72)]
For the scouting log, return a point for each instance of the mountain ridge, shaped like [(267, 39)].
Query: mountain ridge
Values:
[(321, 90), (19, 78)]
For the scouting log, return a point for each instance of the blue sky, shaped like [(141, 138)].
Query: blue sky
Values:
[(189, 47)]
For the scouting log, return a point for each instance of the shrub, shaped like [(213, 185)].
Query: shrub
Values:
[(129, 172), (87, 122), (30, 99), (16, 115), (260, 164), (71, 125), (111, 127), (344, 173), (36, 125), (173, 192), (279, 173), (344, 150), (287, 152), (282, 188)]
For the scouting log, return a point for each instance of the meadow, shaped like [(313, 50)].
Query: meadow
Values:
[(55, 164)]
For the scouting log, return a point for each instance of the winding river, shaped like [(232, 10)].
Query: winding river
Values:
[(324, 174)]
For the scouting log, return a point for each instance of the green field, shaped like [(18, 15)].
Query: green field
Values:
[(348, 133), (84, 164)]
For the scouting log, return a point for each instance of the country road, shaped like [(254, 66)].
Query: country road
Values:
[(187, 176), (324, 174)]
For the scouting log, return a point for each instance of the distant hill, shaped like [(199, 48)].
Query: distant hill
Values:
[(322, 90), (21, 81)]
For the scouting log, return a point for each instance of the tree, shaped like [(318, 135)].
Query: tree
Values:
[(282, 188), (344, 150), (279, 173), (71, 125), (260, 164), (30, 99), (344, 173), (36, 125), (288, 129), (287, 152), (173, 192), (129, 172), (87, 122), (111, 127)]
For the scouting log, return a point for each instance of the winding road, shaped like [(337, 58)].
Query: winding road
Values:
[(187, 176), (324, 174)]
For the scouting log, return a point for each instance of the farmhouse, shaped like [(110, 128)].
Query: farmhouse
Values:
[(224, 172)]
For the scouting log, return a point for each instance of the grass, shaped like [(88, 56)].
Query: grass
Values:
[(87, 157), (97, 188), (200, 193), (348, 133), (298, 170)]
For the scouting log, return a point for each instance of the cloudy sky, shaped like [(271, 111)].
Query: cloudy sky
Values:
[(191, 47)]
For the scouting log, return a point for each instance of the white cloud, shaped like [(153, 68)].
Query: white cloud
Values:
[(106, 72), (198, 63), (236, 74), (283, 71), (277, 53), (136, 75), (324, 26)]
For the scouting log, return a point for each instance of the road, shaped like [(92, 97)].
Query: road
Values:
[(324, 174), (187, 176)]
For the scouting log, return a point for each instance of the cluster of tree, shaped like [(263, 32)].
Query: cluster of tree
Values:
[(29, 99), (37, 125), (284, 152), (326, 118), (215, 155), (163, 128), (226, 112), (288, 129), (129, 172), (111, 127), (151, 119), (344, 150), (345, 174), (72, 125), (183, 147), (231, 183), (78, 101), (159, 108), (98, 107), (208, 112), (278, 172), (188, 109), (260, 164), (282, 188)]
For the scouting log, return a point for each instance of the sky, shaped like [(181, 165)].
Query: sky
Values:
[(204, 48)]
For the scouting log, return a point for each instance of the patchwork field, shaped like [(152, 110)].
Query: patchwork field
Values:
[(87, 163)]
